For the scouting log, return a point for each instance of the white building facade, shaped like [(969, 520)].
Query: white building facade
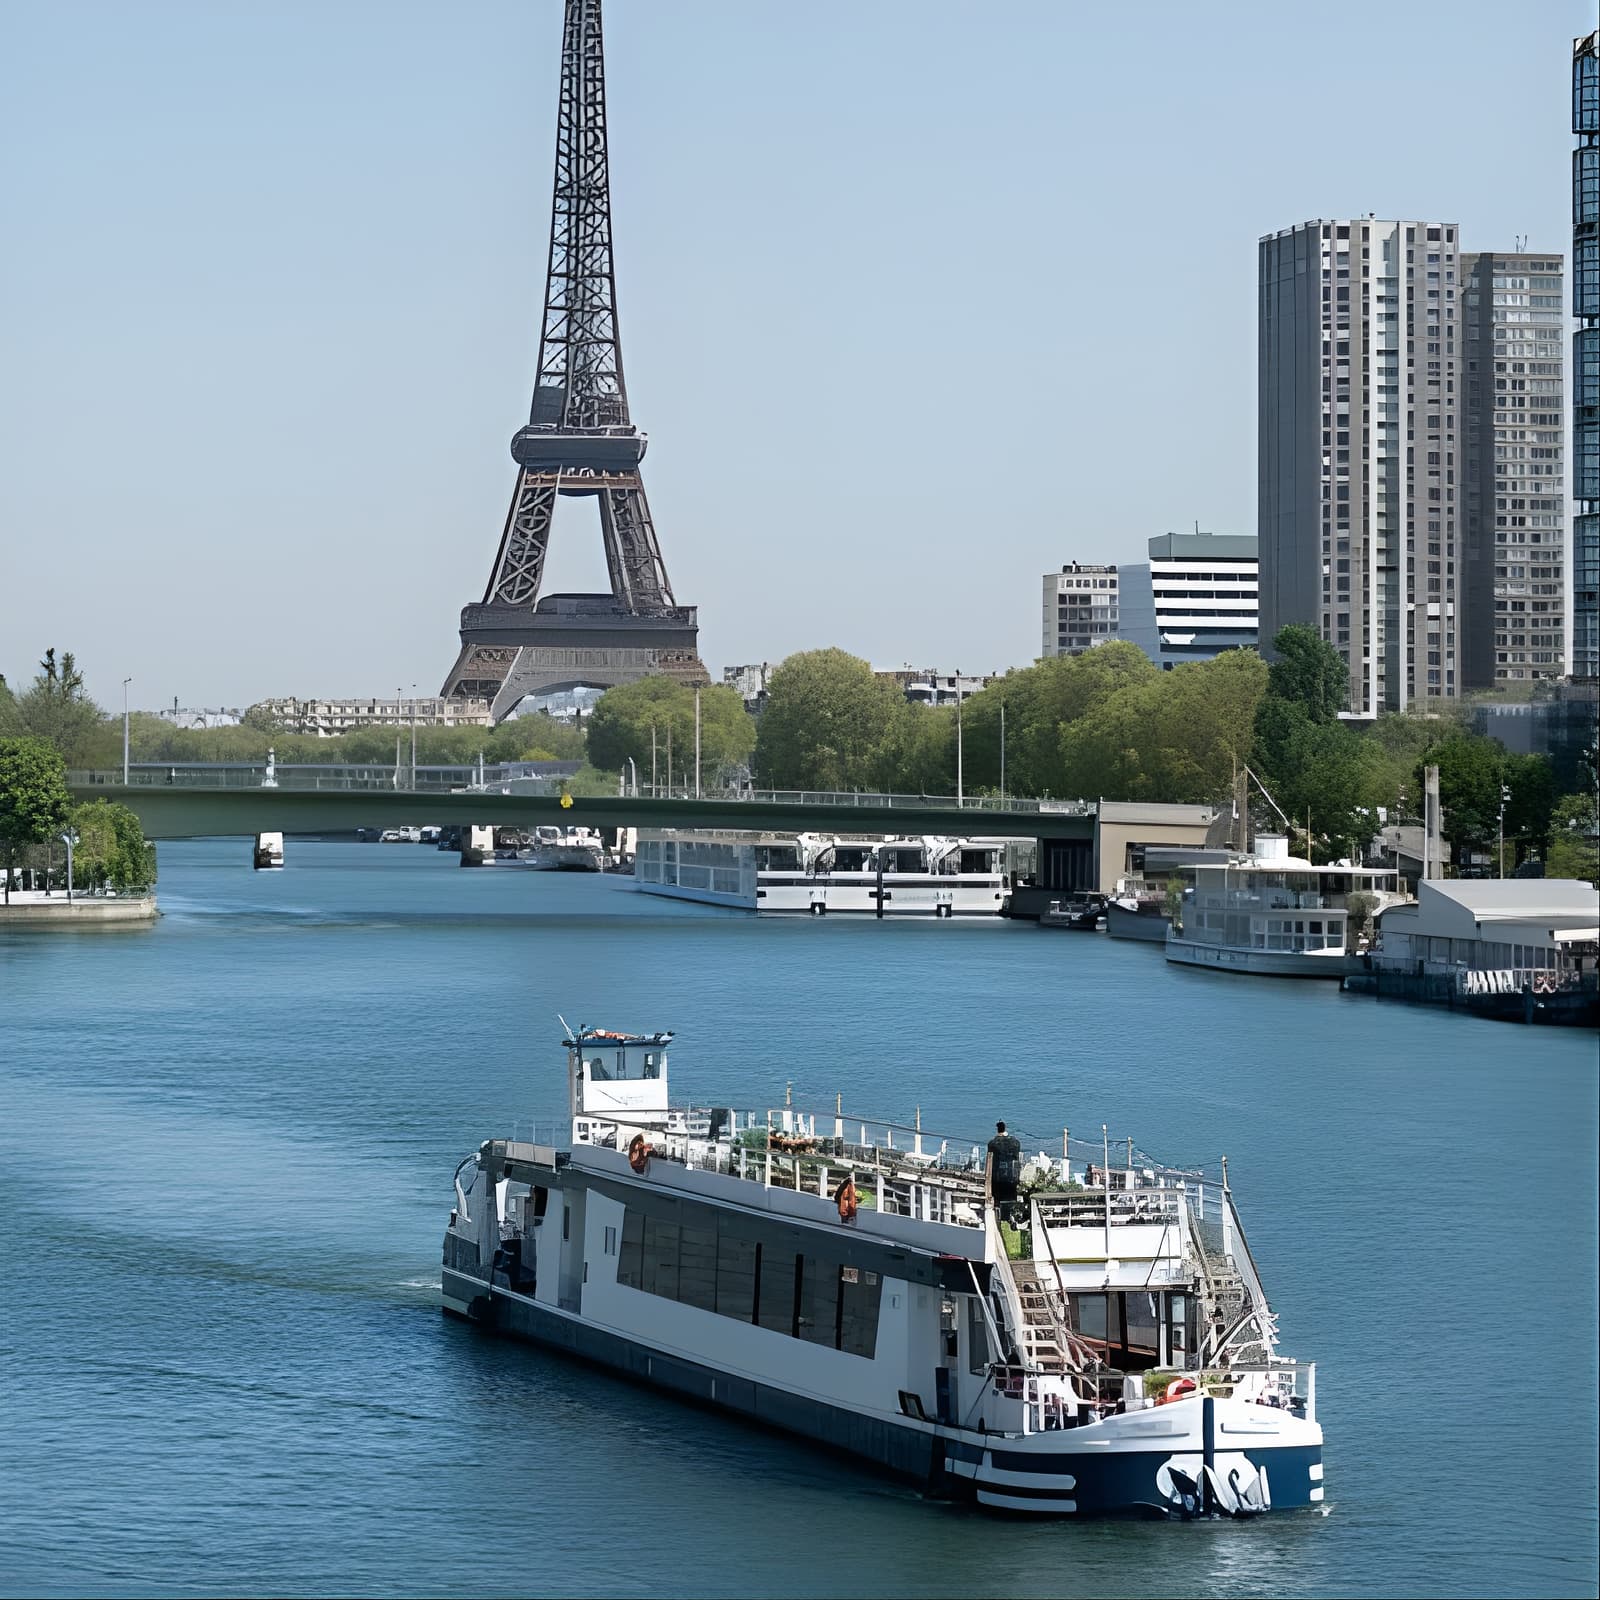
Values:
[(1196, 597), (328, 718), (1082, 608)]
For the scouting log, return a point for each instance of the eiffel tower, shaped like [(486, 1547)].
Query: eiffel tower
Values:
[(580, 441)]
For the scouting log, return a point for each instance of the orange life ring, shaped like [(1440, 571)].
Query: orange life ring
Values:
[(1178, 1389), (639, 1152), (847, 1200)]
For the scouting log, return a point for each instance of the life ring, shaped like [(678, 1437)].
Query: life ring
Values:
[(639, 1152), (846, 1198), (1178, 1389)]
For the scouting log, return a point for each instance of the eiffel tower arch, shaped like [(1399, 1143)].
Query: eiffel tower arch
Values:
[(580, 441)]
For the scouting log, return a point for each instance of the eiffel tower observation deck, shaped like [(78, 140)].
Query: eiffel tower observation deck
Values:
[(580, 441)]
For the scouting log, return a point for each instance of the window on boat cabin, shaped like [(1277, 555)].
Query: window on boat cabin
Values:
[(778, 1299), (598, 1071), (819, 1302), (659, 1258), (978, 1356), (611, 1241), (1088, 1315), (860, 1292), (629, 1261), (697, 1263), (736, 1272)]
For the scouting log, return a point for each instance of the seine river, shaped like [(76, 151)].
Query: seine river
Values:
[(225, 1158)]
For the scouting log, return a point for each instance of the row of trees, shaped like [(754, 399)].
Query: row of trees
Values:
[(1107, 724), (37, 810)]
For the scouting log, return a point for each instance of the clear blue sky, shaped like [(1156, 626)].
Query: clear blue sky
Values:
[(918, 301)]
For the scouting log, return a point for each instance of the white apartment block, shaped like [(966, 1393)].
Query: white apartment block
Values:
[(1081, 609), (327, 718)]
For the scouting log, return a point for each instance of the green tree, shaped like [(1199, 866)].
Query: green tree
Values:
[(1171, 736), (1575, 839), (11, 724), (1039, 702), (1309, 671), (1471, 770), (56, 708), (826, 722), (34, 801), (1532, 800), (626, 719), (111, 848), (918, 753), (1336, 778)]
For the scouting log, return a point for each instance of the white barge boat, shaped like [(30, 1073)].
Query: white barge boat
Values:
[(1274, 915), (1049, 1338), (819, 875)]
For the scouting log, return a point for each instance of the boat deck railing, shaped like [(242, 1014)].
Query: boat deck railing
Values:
[(1055, 1400)]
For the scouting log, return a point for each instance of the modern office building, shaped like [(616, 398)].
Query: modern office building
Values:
[(1513, 436), (1081, 609), (1586, 359), (1193, 599), (1359, 450)]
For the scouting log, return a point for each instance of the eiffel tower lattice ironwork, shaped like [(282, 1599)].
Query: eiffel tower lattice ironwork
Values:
[(580, 440)]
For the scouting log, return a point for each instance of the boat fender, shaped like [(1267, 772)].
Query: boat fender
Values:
[(1178, 1389), (845, 1197), (639, 1152)]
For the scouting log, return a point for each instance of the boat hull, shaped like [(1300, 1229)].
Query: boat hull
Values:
[(1259, 963), (1123, 1467), (1122, 923)]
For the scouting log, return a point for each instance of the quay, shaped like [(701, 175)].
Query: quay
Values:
[(32, 908)]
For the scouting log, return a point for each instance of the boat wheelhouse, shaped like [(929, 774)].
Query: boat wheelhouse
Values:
[(1274, 915), (1074, 1337)]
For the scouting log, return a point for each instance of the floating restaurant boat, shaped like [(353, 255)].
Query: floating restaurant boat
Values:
[(1275, 915), (819, 875), (1064, 1339)]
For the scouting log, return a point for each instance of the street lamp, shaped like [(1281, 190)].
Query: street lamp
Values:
[(413, 738), (125, 683), (69, 838), (1505, 795)]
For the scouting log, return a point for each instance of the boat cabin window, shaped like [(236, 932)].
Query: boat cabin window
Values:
[(713, 1263), (977, 861), (629, 1065)]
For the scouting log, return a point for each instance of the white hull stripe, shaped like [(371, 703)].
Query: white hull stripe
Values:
[(1011, 1502)]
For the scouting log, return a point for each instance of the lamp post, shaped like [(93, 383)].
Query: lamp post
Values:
[(1505, 795), (697, 743), (1002, 749), (125, 683), (413, 738), (960, 798), (69, 838)]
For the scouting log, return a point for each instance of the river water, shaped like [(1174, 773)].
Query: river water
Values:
[(225, 1157)]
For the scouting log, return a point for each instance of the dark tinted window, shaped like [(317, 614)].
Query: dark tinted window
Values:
[(697, 1265)]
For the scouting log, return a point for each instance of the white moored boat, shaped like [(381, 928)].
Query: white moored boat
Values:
[(1094, 1342), (1275, 915)]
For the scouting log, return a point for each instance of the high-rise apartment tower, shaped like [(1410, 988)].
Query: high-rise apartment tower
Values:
[(1360, 456), (1513, 429), (1586, 359)]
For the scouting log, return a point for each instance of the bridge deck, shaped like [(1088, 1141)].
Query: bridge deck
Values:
[(190, 810)]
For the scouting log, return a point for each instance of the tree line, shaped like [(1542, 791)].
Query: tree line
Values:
[(1107, 724)]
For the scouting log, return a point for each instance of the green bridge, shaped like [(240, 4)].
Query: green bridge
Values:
[(193, 804)]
